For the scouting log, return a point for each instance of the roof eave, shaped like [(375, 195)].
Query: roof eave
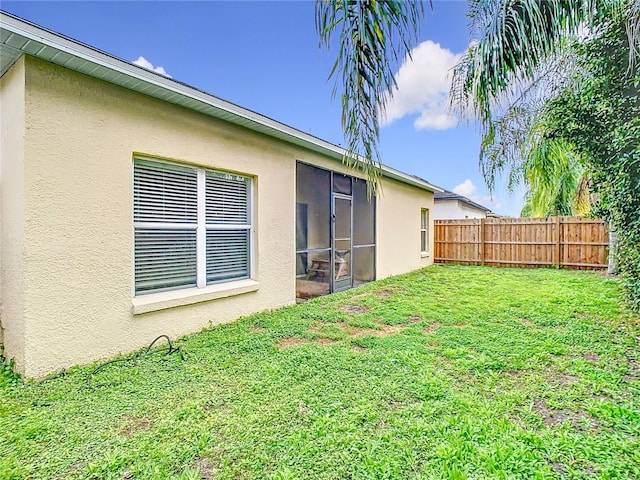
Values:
[(217, 107)]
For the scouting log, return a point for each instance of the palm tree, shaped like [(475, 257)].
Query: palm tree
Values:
[(523, 52), (522, 142), (556, 180), (373, 34), (506, 55), (514, 40)]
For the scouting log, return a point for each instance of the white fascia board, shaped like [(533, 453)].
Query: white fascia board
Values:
[(72, 47), (475, 206), (409, 179)]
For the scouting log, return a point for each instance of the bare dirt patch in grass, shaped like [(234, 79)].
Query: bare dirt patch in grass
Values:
[(134, 425), (384, 331), (76, 467), (303, 409), (291, 341), (206, 469), (354, 309), (355, 332), (390, 330), (414, 319), (432, 328), (559, 468), (591, 357), (358, 348), (590, 471), (559, 377), (528, 322), (564, 379), (634, 371), (384, 293), (317, 329), (552, 417), (382, 425), (256, 329), (320, 328), (445, 360)]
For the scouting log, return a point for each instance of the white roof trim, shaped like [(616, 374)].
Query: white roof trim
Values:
[(11, 26)]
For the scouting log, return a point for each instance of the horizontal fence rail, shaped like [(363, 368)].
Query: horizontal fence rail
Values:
[(560, 242)]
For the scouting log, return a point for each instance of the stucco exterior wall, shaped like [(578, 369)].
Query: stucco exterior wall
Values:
[(78, 168), (76, 294), (398, 228), (12, 213), (453, 209)]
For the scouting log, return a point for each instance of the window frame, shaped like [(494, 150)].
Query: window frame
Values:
[(201, 228), (424, 231)]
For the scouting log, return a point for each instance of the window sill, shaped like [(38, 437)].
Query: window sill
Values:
[(178, 298), (424, 254)]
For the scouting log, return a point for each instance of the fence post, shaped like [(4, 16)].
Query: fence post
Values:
[(558, 244), (482, 221)]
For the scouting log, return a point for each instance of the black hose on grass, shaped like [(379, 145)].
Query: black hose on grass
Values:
[(134, 358)]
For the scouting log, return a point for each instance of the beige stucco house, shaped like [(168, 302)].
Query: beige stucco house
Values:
[(133, 205)]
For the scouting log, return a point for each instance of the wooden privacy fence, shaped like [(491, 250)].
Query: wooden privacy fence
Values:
[(561, 242)]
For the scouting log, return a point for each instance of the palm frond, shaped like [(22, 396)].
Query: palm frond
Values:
[(553, 173), (516, 125), (514, 37), (372, 35)]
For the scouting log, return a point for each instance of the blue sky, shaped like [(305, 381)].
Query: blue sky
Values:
[(264, 55)]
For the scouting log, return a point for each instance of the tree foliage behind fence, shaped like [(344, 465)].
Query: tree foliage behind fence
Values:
[(560, 242)]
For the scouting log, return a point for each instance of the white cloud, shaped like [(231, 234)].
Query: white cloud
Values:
[(423, 87), (469, 190), (143, 62)]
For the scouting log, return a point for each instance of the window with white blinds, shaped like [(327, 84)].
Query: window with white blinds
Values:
[(192, 227)]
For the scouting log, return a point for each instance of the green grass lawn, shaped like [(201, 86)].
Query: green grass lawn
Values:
[(449, 372)]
